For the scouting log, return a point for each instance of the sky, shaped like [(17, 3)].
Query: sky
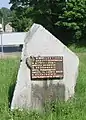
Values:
[(4, 3)]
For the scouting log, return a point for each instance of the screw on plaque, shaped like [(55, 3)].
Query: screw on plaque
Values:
[(29, 62)]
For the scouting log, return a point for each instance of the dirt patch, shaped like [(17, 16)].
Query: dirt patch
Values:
[(10, 55)]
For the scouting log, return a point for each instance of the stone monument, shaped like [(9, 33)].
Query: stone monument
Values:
[(48, 71)]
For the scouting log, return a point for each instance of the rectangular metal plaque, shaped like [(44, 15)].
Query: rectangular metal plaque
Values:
[(48, 67)]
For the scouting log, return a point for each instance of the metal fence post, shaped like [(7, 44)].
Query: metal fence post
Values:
[(2, 44)]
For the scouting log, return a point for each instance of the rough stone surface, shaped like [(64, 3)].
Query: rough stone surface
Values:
[(30, 94)]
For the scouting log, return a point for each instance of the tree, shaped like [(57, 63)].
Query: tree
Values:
[(44, 12), (64, 19), (6, 14), (1, 14), (20, 20), (74, 20)]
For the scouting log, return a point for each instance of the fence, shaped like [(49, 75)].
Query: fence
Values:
[(11, 39)]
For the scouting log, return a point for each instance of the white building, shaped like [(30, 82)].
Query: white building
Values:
[(8, 28), (1, 28), (14, 38)]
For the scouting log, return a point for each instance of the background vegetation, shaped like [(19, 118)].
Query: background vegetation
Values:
[(66, 19), (6, 14), (74, 109)]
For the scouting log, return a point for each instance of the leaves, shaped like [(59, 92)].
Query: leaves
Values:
[(57, 16), (6, 14), (74, 18)]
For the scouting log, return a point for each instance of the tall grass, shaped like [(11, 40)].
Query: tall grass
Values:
[(74, 109), (77, 49)]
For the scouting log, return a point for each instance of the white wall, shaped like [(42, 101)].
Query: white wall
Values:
[(15, 38)]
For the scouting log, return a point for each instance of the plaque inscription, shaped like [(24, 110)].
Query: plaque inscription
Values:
[(47, 67)]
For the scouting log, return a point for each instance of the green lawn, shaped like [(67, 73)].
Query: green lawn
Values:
[(74, 109)]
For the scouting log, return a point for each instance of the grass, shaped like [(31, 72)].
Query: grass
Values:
[(74, 109), (77, 49)]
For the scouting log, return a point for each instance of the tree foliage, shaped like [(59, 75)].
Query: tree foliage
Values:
[(6, 14), (44, 12), (20, 19), (65, 19), (74, 19)]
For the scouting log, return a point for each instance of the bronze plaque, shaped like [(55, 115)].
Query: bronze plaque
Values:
[(47, 67)]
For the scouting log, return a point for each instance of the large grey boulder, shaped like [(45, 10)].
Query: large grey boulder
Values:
[(32, 94)]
